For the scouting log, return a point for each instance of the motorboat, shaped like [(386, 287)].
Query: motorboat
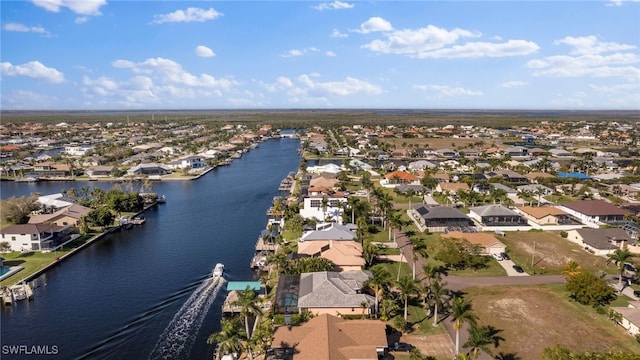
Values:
[(218, 270)]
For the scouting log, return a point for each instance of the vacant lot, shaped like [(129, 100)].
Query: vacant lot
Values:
[(533, 318), (550, 253)]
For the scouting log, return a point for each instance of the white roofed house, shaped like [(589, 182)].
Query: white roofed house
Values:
[(497, 215), (192, 162), (324, 208)]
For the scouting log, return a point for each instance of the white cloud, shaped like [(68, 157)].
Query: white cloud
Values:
[(82, 7), (417, 41), (374, 24), (336, 5), (189, 15), (483, 49), (585, 45), (81, 20), (337, 34), (619, 2), (18, 27), (330, 53), (170, 72), (444, 90), (512, 84), (588, 58), (204, 51), (299, 52), (307, 89), (33, 69)]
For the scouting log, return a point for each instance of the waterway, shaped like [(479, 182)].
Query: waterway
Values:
[(145, 293)]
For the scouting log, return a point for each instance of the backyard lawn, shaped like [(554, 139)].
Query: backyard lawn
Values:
[(550, 253), (532, 318)]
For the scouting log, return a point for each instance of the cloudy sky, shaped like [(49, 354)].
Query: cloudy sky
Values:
[(112, 54)]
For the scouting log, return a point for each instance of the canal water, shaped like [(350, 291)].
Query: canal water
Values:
[(146, 293)]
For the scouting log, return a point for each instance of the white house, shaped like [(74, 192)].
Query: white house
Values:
[(28, 237), (630, 317), (189, 162), (332, 211), (78, 150)]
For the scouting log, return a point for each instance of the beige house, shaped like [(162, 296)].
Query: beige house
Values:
[(545, 215), (345, 254), (69, 215), (451, 188), (488, 243), (630, 317), (329, 337)]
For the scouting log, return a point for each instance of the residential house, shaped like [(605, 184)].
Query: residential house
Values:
[(101, 171), (546, 215), (630, 317), (509, 176), (78, 150), (594, 212), (149, 169), (189, 162), (496, 215), (324, 208), (346, 254), (335, 293), (31, 237), (535, 189), (535, 176), (68, 216), (505, 188), (57, 201), (51, 169), (488, 243), (446, 153), (440, 218), (599, 241), (451, 187), (517, 151), (329, 337), (398, 177), (421, 165)]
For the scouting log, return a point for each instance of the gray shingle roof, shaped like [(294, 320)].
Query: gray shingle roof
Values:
[(493, 210), (333, 289)]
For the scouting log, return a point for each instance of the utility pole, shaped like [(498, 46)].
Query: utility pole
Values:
[(534, 254)]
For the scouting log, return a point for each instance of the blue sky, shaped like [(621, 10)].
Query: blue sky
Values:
[(110, 54)]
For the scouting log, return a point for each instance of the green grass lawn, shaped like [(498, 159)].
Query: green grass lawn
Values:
[(34, 261), (559, 199)]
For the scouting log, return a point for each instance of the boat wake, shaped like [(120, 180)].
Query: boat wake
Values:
[(178, 337)]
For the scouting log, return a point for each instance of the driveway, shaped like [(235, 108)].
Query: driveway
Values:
[(508, 267)]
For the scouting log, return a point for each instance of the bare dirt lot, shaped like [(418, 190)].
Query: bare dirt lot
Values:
[(550, 253), (535, 317)]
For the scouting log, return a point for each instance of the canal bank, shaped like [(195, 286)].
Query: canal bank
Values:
[(128, 286)]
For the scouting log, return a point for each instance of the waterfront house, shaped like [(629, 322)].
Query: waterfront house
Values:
[(51, 170), (330, 209), (190, 162), (68, 216), (30, 237), (599, 241), (57, 201), (149, 169), (594, 212), (335, 293), (101, 171), (488, 243), (496, 215), (329, 337), (345, 254)]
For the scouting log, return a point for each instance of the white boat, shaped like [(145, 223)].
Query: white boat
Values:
[(218, 270)]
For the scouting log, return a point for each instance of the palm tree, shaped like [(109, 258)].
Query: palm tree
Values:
[(395, 222), (407, 287), (480, 337), (432, 272), (438, 291), (620, 257), (364, 305), (228, 338), (461, 312), (387, 307), (419, 247), (352, 202), (380, 278), (248, 303)]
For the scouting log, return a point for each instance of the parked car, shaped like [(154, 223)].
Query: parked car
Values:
[(518, 268), (636, 293), (497, 256), (400, 346), (505, 256)]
